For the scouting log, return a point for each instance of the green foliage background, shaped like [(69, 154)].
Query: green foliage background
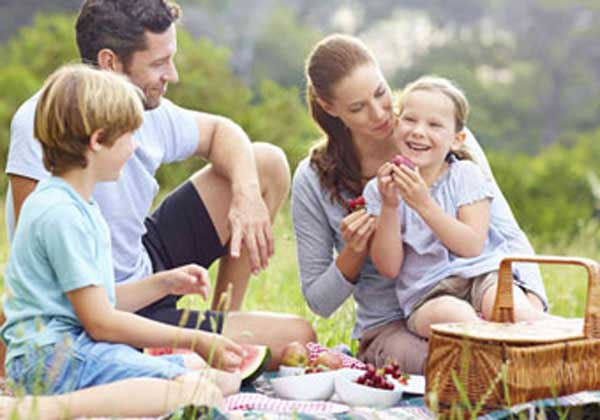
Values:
[(546, 183)]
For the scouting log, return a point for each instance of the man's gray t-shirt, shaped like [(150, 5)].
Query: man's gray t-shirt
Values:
[(168, 133)]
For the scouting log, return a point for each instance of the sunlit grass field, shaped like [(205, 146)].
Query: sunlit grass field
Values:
[(278, 287)]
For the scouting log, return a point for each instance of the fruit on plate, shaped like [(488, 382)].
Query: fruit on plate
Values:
[(374, 378), (255, 361), (400, 160), (355, 204), (393, 369), (294, 354), (331, 360)]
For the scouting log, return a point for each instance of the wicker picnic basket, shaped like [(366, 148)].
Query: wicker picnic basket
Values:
[(502, 363)]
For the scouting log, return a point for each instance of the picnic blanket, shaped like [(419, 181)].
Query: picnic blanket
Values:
[(260, 402)]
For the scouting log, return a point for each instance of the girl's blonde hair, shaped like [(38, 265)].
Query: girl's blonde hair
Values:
[(76, 101), (450, 90)]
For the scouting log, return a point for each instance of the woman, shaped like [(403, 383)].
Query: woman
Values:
[(352, 103)]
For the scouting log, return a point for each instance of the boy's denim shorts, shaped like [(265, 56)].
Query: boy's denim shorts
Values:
[(80, 362)]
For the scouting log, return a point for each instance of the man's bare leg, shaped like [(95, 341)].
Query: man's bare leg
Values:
[(271, 329), (215, 191)]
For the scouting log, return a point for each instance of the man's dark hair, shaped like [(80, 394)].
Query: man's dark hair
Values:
[(119, 25)]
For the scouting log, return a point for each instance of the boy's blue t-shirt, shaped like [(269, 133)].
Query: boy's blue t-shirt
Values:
[(61, 244)]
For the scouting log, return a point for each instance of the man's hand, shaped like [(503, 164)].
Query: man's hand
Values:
[(187, 279), (251, 225)]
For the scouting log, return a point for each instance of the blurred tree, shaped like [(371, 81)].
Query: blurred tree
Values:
[(281, 48)]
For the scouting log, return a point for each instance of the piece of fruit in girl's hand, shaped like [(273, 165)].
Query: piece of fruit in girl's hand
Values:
[(355, 204), (400, 160)]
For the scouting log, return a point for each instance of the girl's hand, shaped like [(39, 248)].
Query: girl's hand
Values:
[(386, 185), (412, 187), (356, 229), (221, 352), (187, 279)]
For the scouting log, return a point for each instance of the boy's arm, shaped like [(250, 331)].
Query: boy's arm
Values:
[(229, 149), (104, 323), (188, 279)]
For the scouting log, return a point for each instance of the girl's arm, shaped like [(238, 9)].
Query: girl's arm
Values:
[(386, 249), (188, 279), (464, 235), (102, 322)]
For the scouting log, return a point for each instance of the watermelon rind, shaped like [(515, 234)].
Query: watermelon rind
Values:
[(257, 366)]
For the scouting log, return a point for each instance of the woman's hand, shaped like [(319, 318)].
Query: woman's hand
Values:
[(356, 229), (412, 187), (387, 187), (187, 279), (221, 352)]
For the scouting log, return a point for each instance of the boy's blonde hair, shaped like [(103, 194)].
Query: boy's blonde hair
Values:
[(450, 90), (76, 101)]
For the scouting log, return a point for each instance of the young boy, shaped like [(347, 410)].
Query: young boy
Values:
[(68, 327)]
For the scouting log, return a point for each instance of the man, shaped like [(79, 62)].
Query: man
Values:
[(224, 211)]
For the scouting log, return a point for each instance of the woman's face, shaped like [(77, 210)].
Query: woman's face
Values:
[(363, 101)]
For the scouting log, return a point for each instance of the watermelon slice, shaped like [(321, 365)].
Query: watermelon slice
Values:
[(255, 362)]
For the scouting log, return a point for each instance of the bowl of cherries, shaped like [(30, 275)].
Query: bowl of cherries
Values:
[(371, 387)]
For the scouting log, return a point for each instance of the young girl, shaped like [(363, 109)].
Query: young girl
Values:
[(436, 235)]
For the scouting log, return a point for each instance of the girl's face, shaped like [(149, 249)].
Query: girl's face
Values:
[(363, 101), (427, 129)]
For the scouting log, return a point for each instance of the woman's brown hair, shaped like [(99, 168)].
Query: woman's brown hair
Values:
[(334, 158)]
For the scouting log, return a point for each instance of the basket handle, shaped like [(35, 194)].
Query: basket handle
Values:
[(503, 306)]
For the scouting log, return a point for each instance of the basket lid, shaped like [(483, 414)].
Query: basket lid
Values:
[(543, 331)]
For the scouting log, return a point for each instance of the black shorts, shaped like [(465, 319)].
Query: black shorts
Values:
[(181, 232)]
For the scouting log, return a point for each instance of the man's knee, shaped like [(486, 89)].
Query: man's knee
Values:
[(304, 330), (273, 169)]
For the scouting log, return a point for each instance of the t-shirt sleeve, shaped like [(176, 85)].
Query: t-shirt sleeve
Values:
[(178, 130), (24, 151), (372, 198), (70, 248), (470, 184)]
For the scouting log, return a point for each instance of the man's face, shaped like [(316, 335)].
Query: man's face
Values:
[(153, 68)]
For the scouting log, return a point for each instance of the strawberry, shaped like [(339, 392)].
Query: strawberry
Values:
[(399, 160), (355, 204)]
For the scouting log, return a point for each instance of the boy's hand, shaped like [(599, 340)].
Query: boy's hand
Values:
[(221, 352), (386, 185), (356, 229), (412, 187), (187, 279)]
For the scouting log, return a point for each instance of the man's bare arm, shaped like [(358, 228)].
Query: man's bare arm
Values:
[(21, 187)]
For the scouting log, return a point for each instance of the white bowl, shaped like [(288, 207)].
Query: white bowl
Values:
[(355, 394), (312, 386), (291, 370)]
